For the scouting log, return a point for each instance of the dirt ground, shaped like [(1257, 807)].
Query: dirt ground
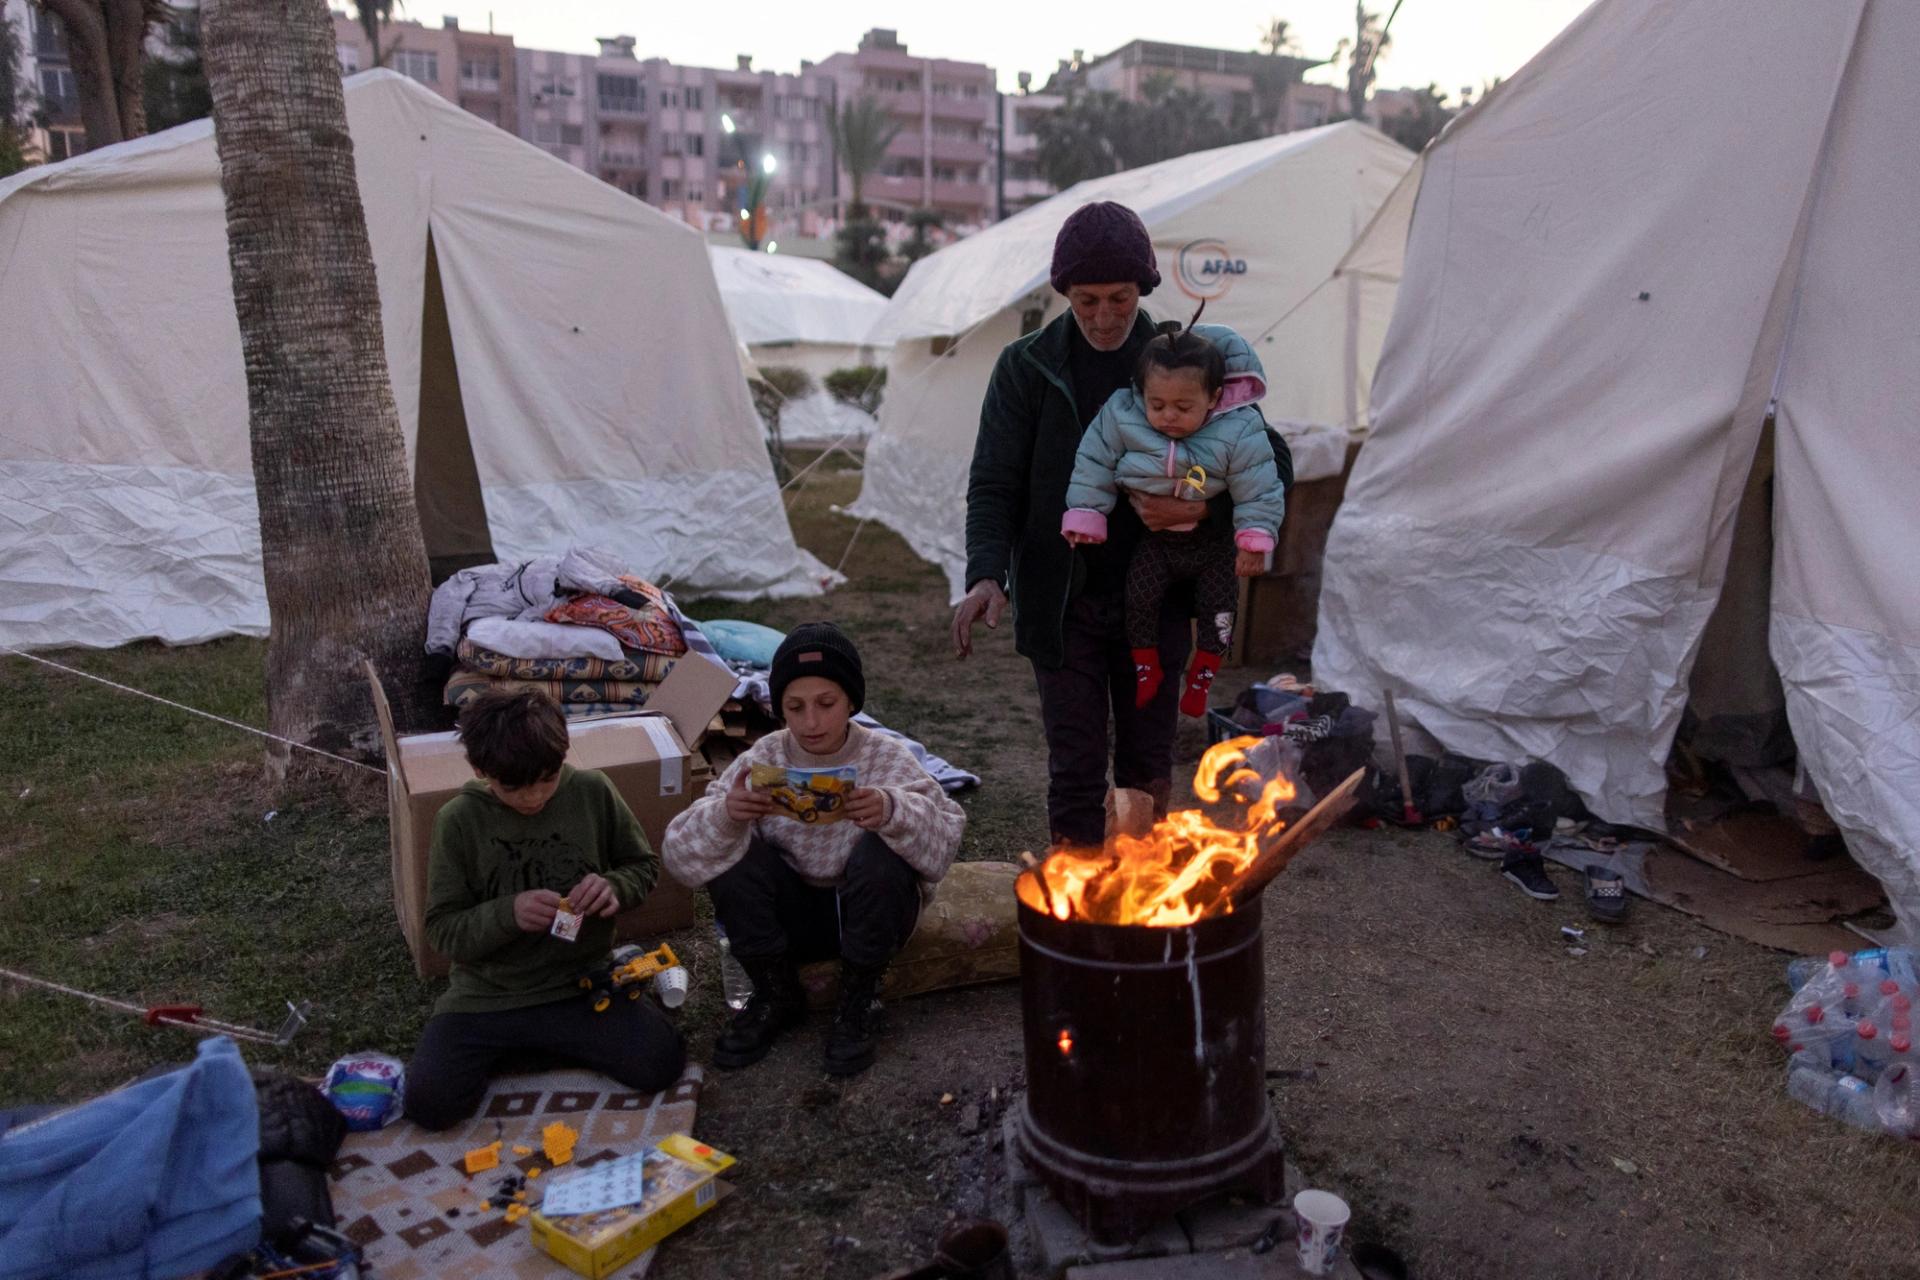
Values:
[(1491, 1105)]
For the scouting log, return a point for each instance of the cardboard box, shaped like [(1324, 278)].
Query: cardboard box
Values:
[(650, 756), (681, 1184)]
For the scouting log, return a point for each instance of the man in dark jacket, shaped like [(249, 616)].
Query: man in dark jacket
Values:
[(1068, 602)]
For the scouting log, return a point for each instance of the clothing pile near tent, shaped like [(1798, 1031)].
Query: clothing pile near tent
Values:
[(578, 627), (1605, 301)]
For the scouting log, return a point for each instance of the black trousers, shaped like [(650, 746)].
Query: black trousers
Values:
[(459, 1052), (768, 910), (1095, 681), (1200, 557)]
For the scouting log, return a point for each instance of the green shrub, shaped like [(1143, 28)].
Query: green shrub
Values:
[(861, 386)]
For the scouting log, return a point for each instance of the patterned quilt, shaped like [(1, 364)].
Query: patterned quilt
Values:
[(464, 686), (648, 627), (643, 668), (403, 1194)]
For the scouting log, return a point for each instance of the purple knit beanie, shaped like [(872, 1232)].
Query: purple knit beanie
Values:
[(1103, 243)]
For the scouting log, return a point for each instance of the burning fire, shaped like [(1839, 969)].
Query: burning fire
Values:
[(1180, 870)]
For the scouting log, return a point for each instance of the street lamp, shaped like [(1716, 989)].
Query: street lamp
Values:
[(726, 123), (768, 164)]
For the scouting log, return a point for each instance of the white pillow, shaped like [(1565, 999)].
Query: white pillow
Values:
[(518, 638)]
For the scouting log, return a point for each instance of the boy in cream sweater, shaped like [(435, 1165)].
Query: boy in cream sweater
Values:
[(788, 891)]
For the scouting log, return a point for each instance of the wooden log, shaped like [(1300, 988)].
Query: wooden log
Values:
[(1274, 856)]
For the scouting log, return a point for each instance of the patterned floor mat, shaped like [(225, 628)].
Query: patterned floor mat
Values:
[(403, 1194)]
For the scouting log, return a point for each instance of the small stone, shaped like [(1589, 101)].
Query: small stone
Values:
[(1627, 1167), (970, 1119), (1699, 953), (1576, 951), (946, 1099)]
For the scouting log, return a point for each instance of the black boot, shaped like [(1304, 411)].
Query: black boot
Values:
[(850, 1039), (776, 1005)]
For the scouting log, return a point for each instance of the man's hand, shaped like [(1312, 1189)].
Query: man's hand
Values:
[(1249, 564), (867, 808), (593, 896), (1158, 511), (534, 910), (987, 601), (745, 804)]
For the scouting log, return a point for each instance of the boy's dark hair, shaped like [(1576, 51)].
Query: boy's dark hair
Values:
[(515, 738), (1175, 346)]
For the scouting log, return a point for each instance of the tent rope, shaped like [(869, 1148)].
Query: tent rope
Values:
[(181, 706)]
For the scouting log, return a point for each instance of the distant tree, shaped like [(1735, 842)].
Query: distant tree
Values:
[(1277, 38), (372, 15), (16, 101), (107, 49), (918, 246), (1371, 37), (176, 84), (1414, 131), (1095, 134), (862, 131), (340, 544)]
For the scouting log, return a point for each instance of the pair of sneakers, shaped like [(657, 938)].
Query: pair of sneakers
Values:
[(1519, 858)]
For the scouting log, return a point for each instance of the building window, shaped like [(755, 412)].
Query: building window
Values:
[(480, 72), (417, 64), (58, 88), (64, 144), (349, 58), (970, 91), (696, 144), (669, 189), (569, 135), (670, 143), (49, 41), (546, 133), (697, 195), (622, 94), (693, 99), (669, 97)]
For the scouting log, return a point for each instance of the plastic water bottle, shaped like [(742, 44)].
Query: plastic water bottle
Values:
[(1846, 1098), (1872, 964), (1871, 1050), (1896, 1099), (734, 982)]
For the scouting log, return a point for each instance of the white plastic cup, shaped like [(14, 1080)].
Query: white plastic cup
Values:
[(1322, 1218), (670, 984)]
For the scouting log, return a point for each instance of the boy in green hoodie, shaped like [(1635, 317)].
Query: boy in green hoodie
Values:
[(529, 833)]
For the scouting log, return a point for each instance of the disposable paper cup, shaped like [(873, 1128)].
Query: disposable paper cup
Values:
[(1322, 1217), (671, 986)]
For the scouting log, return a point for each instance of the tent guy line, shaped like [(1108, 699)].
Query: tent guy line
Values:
[(181, 706)]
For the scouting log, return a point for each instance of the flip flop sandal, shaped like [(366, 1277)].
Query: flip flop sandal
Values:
[(1606, 896)]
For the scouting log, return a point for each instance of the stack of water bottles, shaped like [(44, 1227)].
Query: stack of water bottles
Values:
[(1850, 1030)]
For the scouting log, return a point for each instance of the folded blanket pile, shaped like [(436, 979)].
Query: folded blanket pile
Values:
[(578, 627)]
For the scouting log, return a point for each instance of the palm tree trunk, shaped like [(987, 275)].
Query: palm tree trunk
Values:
[(346, 568), (90, 55)]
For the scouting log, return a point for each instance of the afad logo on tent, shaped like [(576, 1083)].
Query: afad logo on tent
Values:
[(1207, 268)]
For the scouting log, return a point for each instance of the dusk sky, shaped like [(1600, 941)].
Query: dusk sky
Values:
[(1449, 42)]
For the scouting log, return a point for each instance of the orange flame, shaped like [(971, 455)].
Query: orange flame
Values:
[(1177, 872), (1066, 1041)]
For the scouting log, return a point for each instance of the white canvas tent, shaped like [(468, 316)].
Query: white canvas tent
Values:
[(799, 312), (1255, 228), (544, 394), (1676, 220)]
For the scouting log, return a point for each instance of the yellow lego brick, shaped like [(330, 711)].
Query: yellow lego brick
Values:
[(480, 1159)]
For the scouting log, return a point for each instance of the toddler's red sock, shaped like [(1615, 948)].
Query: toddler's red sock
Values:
[(1199, 681), (1146, 674)]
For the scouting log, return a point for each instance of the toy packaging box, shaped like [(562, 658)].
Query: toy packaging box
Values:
[(678, 1182), (810, 795)]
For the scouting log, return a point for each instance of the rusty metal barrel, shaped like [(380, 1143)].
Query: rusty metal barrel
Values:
[(1146, 1066)]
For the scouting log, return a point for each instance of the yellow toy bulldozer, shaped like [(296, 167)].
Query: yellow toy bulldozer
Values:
[(627, 969)]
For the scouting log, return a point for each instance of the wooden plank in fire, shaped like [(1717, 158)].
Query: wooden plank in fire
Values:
[(1274, 857)]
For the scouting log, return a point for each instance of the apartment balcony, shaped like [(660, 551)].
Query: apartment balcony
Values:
[(479, 84), (894, 190), (954, 107), (906, 106), (619, 105), (629, 160), (959, 151), (978, 195)]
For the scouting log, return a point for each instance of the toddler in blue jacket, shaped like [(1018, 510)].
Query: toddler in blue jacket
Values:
[(1187, 428)]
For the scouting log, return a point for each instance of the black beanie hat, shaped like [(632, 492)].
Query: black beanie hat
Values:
[(1103, 243), (817, 649)]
